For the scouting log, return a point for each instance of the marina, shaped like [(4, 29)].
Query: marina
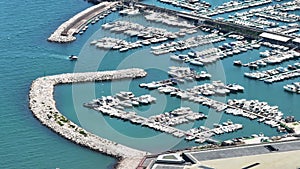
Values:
[(115, 106), (218, 129), (148, 35), (186, 73), (191, 5), (158, 84), (134, 29), (198, 44), (280, 16), (263, 75), (287, 6), (232, 6), (251, 109), (212, 55), (274, 75), (165, 18), (107, 43), (216, 88), (272, 57), (186, 44), (283, 76), (119, 105)]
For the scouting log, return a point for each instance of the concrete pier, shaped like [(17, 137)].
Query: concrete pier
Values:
[(64, 33), (43, 107), (246, 31), (203, 20)]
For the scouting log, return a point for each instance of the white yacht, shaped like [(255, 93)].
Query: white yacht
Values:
[(290, 88), (73, 57)]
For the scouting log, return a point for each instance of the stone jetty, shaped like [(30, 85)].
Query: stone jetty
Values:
[(43, 106), (64, 33)]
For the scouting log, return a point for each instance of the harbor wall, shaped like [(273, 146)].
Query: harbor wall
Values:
[(43, 107), (247, 32), (65, 32), (199, 20)]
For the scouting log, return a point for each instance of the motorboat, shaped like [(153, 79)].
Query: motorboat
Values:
[(73, 57)]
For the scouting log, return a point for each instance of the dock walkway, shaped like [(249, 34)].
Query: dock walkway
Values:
[(154, 125)]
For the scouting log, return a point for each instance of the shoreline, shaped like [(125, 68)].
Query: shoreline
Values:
[(64, 33), (43, 107)]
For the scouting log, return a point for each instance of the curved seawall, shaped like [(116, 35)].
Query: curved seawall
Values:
[(42, 105), (64, 33)]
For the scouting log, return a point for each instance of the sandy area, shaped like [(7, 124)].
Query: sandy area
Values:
[(129, 163)]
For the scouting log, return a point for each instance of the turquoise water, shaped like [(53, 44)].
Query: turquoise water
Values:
[(26, 55), (156, 66)]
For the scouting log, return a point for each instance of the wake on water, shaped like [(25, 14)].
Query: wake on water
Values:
[(59, 56)]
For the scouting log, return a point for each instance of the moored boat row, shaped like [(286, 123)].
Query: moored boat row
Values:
[(266, 74), (194, 5), (187, 44), (252, 109), (177, 116), (162, 122), (283, 76), (273, 57), (215, 88), (134, 29), (263, 110), (205, 133), (157, 84), (115, 44), (231, 6), (187, 73), (167, 19)]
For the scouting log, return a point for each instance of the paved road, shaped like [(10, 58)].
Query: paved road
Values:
[(245, 151), (162, 166)]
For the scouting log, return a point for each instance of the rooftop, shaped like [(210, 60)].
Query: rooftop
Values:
[(170, 158), (274, 37)]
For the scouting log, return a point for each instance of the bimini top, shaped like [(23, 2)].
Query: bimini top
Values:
[(274, 37)]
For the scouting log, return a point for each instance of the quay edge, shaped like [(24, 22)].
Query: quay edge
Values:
[(65, 32)]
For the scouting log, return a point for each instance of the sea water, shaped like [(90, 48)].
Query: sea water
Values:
[(26, 55)]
